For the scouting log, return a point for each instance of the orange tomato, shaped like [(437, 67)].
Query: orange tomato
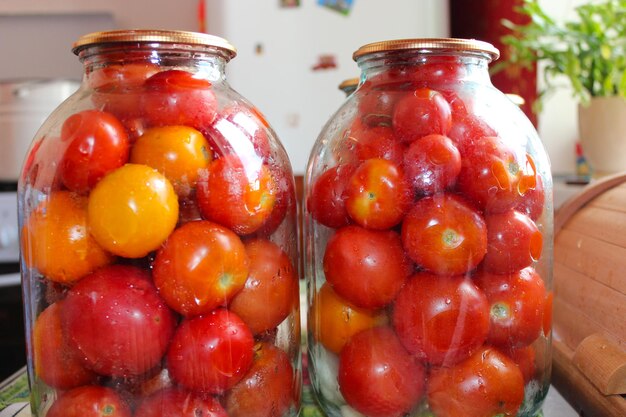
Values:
[(177, 152), (334, 320), (270, 290), (132, 210), (55, 362), (56, 240)]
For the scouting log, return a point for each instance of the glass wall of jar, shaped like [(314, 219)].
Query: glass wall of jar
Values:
[(158, 234), (429, 241)]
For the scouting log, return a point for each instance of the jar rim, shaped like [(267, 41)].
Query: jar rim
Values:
[(430, 44), (153, 36)]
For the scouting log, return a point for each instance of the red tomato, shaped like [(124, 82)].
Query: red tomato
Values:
[(334, 320), (513, 242), (432, 164), (516, 304), (267, 389), (116, 320), (441, 320), (377, 376), (327, 199), (127, 75), (486, 384), (366, 267), (396, 77), (97, 144), (55, 239), (237, 195), (119, 89), (201, 266), (524, 357), (491, 174), (440, 70), (175, 402), (176, 97), (445, 235), (377, 194), (376, 105), (55, 362), (271, 290), (285, 205), (210, 353), (89, 401), (533, 200), (420, 113), (466, 128), (366, 142), (457, 105), (241, 130)]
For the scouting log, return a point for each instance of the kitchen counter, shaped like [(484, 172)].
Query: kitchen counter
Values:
[(14, 400)]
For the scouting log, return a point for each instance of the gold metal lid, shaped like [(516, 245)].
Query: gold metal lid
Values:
[(432, 44), (154, 36), (350, 82)]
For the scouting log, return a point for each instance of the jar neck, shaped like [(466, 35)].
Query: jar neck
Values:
[(427, 66), (206, 62)]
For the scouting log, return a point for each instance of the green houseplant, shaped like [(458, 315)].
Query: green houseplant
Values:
[(589, 51)]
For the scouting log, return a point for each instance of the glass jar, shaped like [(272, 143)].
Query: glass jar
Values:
[(158, 233), (428, 235), (349, 85)]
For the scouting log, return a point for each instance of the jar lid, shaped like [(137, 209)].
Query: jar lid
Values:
[(430, 44), (350, 82), (154, 36)]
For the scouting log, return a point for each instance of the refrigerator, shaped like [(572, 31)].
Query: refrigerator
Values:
[(292, 55)]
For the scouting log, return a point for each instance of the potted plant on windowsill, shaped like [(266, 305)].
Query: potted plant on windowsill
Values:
[(590, 52)]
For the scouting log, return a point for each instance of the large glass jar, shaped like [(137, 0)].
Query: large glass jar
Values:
[(428, 236), (158, 234)]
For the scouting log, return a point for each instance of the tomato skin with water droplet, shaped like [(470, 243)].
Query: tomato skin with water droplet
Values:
[(441, 320), (488, 383), (89, 401), (220, 356), (445, 234), (201, 266), (377, 376)]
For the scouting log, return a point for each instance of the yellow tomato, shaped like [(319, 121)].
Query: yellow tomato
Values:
[(132, 210), (56, 241), (178, 152), (334, 320)]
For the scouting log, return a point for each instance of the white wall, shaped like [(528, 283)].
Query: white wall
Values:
[(557, 123), (297, 101)]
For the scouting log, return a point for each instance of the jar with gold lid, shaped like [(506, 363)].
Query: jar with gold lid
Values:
[(158, 240), (348, 86), (428, 236)]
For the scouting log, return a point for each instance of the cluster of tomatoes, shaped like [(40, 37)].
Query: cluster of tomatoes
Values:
[(160, 255), (431, 294)]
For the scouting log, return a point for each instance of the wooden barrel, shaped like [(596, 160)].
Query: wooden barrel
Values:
[(589, 329)]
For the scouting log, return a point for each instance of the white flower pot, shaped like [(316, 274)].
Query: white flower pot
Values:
[(602, 128)]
